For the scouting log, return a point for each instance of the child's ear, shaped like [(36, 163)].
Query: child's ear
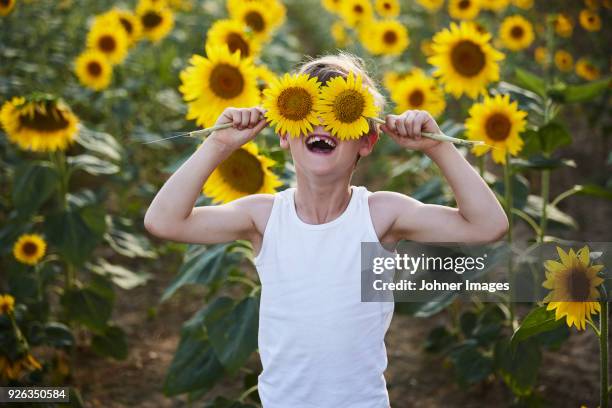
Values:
[(367, 143), (284, 141)]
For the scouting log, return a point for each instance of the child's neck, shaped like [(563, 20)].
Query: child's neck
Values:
[(319, 202)]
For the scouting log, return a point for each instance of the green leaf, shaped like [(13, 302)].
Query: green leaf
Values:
[(552, 136), (91, 306), (58, 335), (594, 190), (520, 190), (539, 162), (111, 343), (121, 276), (69, 232), (34, 184), (539, 320), (471, 366), (439, 339), (530, 81), (518, 368), (125, 242), (585, 92), (101, 143), (92, 165), (534, 209)]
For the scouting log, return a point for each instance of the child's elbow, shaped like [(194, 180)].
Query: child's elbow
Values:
[(498, 228), (154, 226)]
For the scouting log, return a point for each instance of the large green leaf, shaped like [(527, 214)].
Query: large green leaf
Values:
[(126, 242), (518, 368), (111, 343), (530, 81), (520, 190), (92, 305), (92, 164), (584, 92), (552, 136), (58, 335), (120, 275), (539, 162), (100, 142), (34, 184), (594, 190), (534, 209), (539, 320), (471, 365)]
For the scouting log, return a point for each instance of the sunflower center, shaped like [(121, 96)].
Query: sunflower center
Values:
[(107, 43), (387, 6), (390, 37), (517, 32), (226, 81), (53, 119), (578, 284), (94, 68), (255, 21), (416, 98), (294, 103), (348, 106), (358, 9), (242, 171), (235, 42), (498, 126), (467, 58), (29, 248), (151, 19), (464, 4), (127, 25)]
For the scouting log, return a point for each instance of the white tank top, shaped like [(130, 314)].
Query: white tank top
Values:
[(320, 346)]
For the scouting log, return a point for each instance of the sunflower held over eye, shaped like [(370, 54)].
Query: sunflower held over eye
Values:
[(463, 9), (356, 12), (345, 107), (590, 20), (235, 36), (41, 124), (110, 40), (93, 70), (126, 19), (564, 60), (464, 59), (586, 70), (6, 6), (385, 37), (573, 283), (494, 5), (291, 102), (258, 16), (7, 304), (418, 92), (498, 122), (387, 8), (29, 249), (211, 84), (516, 33), (156, 19), (243, 173), (431, 5)]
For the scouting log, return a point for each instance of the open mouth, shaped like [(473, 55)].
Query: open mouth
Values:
[(321, 144)]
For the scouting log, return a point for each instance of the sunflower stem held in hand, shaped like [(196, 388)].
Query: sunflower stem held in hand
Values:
[(441, 137)]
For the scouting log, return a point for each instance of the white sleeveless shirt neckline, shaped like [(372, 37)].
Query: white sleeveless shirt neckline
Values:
[(320, 346)]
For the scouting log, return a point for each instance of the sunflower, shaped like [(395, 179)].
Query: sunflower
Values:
[(156, 19), (464, 59), (265, 77), (339, 34), (29, 249), (426, 48), (564, 60), (93, 70), (259, 17), (108, 40), (387, 8), (494, 5), (590, 20), (333, 6), (563, 25), (392, 78), (498, 122), (234, 35), (275, 9), (126, 19), (356, 12), (291, 103), (385, 37), (211, 84), (592, 4), (243, 173), (463, 9), (431, 5), (420, 92), (573, 283), (541, 55), (6, 6), (516, 33), (7, 304), (586, 70), (345, 107), (13, 370), (523, 4), (42, 124)]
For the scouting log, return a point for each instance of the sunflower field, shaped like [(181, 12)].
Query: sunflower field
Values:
[(100, 101)]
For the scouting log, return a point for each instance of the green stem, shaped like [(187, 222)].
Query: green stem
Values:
[(509, 214), (545, 198), (603, 353), (481, 162), (70, 275), (565, 194), (247, 392)]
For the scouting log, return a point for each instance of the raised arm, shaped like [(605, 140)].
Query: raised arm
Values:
[(172, 215), (478, 217)]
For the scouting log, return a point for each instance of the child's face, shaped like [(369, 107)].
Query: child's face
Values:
[(321, 154)]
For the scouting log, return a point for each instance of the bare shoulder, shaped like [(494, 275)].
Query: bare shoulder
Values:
[(259, 207), (385, 207)]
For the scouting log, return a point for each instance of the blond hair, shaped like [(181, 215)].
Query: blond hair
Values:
[(330, 66)]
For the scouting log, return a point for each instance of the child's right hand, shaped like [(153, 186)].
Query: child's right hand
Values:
[(247, 123)]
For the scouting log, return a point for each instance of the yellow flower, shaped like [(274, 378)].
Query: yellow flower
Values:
[(339, 34), (126, 19), (464, 59), (516, 33), (291, 103), (392, 78), (387, 8), (110, 40), (586, 70), (156, 19), (345, 107), (431, 5), (211, 84), (7, 304), (563, 25), (29, 249), (573, 283), (498, 122), (590, 20), (6, 6), (262, 18), (426, 48), (13, 370), (39, 125), (523, 4), (494, 5), (93, 70), (333, 6), (463, 9), (420, 92), (564, 60), (356, 12), (592, 4), (235, 35), (243, 173), (385, 37), (541, 55)]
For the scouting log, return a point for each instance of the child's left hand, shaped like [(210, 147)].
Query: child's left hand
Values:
[(406, 129)]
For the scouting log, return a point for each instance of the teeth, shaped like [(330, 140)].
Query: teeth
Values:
[(314, 139)]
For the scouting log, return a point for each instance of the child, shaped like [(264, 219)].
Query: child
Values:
[(320, 346)]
